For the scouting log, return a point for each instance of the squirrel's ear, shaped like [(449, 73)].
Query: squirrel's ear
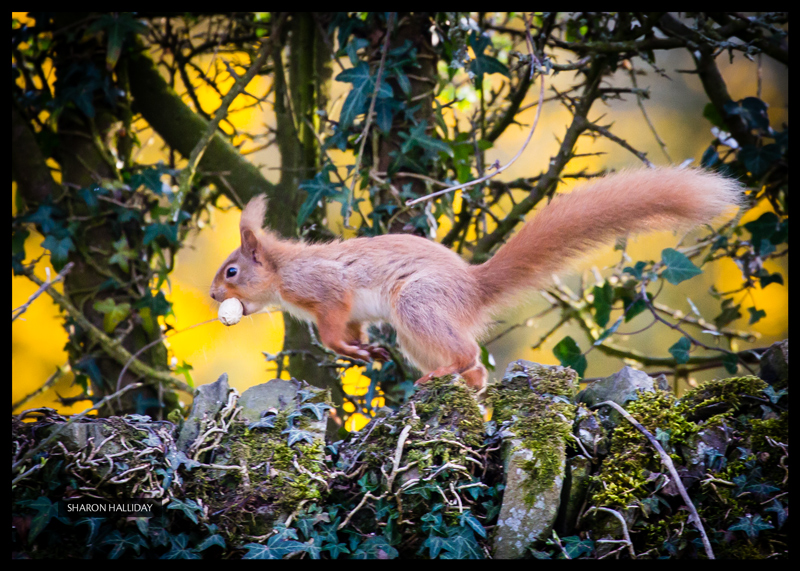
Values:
[(253, 213), (250, 244)]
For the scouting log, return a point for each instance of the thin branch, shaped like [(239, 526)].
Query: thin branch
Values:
[(621, 142), (666, 461), (113, 347), (513, 160), (186, 176), (47, 283), (368, 120), (59, 429)]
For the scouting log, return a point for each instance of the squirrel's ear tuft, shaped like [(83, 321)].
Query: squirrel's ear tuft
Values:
[(253, 213)]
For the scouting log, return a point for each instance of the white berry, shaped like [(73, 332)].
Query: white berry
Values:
[(230, 311)]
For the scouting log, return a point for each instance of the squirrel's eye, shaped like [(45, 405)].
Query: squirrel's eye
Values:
[(231, 272)]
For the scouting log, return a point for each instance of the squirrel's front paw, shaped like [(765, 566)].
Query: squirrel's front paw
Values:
[(377, 353)]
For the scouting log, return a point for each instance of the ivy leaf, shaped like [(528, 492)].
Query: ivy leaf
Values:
[(461, 544), (275, 548), (188, 507), (149, 178), (468, 519), (766, 278), (376, 547), (319, 188), (569, 355), (758, 160), (353, 47), (363, 87), (46, 510), (335, 549), (121, 543), (637, 270), (59, 250), (215, 539), (278, 546), (296, 435), (729, 313), (756, 315), (680, 350), (751, 525), (116, 26), (781, 513), (435, 544), (113, 313), (763, 227), (416, 137), (122, 255), (319, 409), (603, 298), (156, 229), (483, 64), (754, 111), (679, 268), (731, 362), (385, 110), (773, 395), (575, 546), (264, 422)]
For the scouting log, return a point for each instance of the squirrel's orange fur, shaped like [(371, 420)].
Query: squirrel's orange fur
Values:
[(437, 303)]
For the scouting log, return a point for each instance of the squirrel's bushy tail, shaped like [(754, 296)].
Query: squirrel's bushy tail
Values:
[(628, 201)]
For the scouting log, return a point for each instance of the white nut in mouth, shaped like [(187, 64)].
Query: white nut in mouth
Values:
[(230, 311)]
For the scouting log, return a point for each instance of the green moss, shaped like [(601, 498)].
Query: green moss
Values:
[(541, 418), (766, 439), (624, 474), (728, 391)]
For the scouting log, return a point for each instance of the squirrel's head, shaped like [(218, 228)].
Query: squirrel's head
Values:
[(250, 272)]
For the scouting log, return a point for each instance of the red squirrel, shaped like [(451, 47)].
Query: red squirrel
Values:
[(437, 302)]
